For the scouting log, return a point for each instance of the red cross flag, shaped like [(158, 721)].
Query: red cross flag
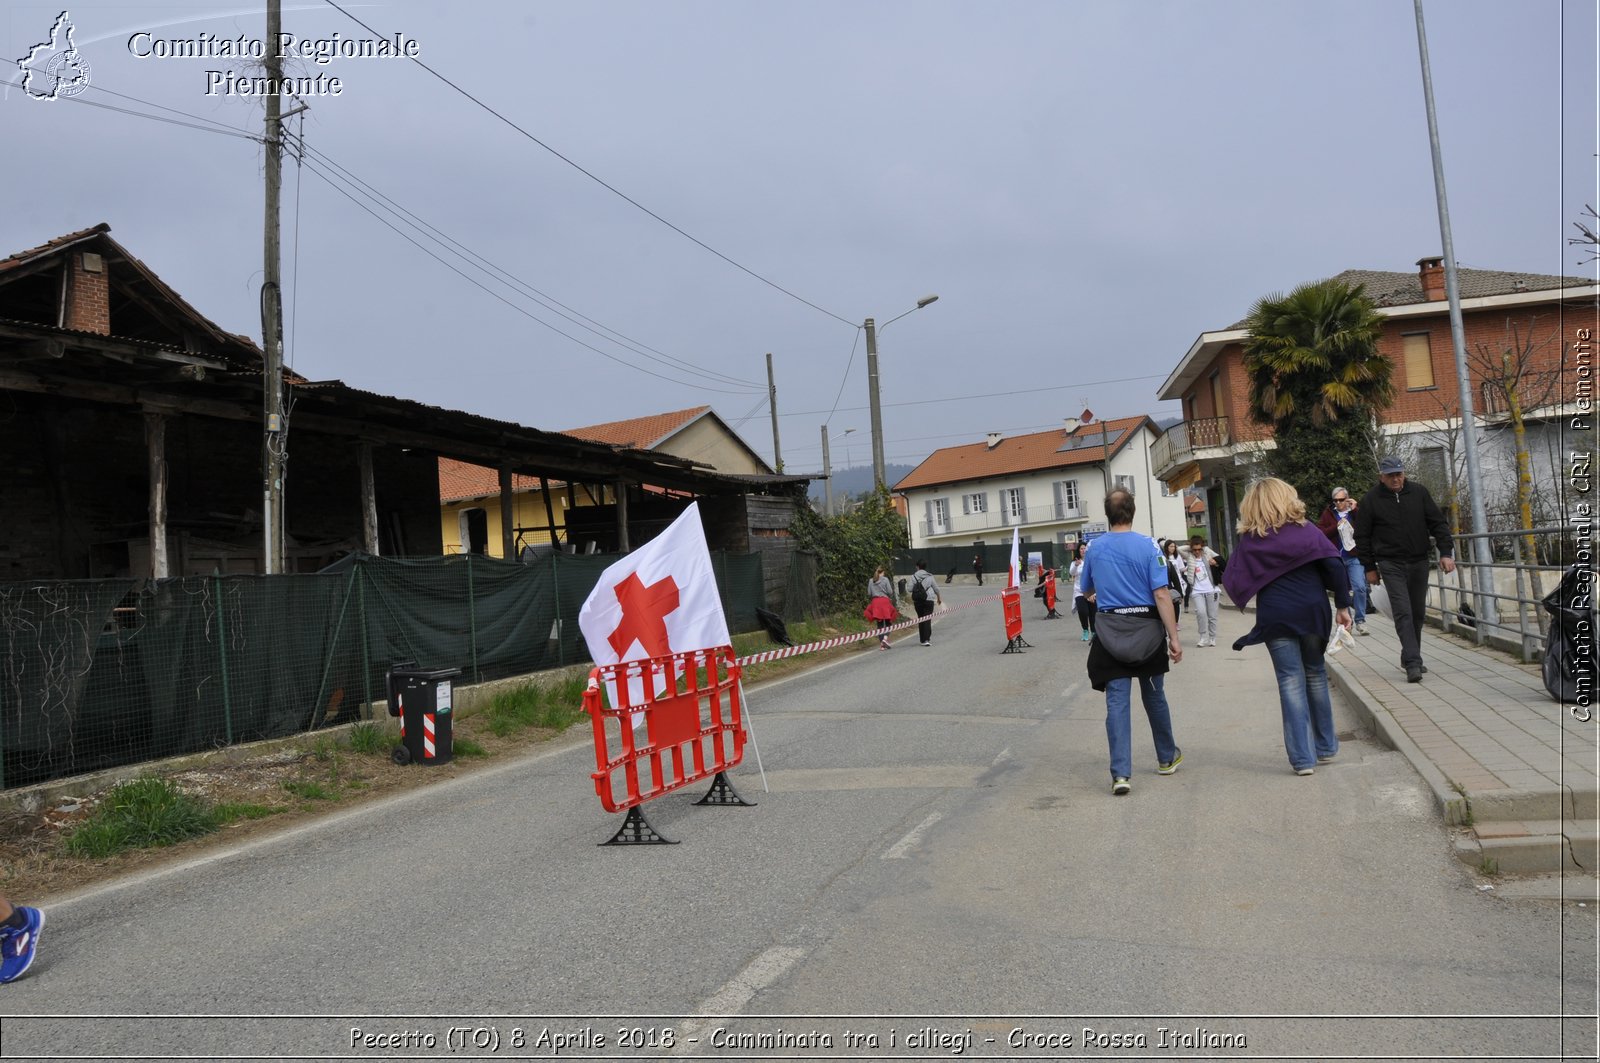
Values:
[(1013, 578), (660, 599)]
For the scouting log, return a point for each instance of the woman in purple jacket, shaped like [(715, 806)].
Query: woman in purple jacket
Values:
[(1291, 566)]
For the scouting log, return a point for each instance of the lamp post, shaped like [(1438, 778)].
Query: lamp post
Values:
[(872, 388)]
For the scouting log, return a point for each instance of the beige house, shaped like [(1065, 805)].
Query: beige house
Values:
[(469, 494)]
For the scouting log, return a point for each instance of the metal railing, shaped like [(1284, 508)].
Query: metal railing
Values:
[(1178, 443), (1507, 613), (959, 524)]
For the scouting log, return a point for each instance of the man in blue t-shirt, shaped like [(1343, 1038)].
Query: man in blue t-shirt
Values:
[(1128, 576)]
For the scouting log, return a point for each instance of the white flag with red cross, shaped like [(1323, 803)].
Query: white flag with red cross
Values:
[(660, 599)]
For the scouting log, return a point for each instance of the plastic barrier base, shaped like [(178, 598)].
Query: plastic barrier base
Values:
[(636, 830), (1017, 645), (723, 793)]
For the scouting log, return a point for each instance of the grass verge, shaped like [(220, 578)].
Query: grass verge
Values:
[(144, 813)]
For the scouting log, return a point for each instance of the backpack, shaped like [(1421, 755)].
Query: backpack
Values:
[(919, 593)]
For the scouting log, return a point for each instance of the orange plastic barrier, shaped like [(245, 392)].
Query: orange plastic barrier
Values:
[(1011, 607), (1050, 596), (692, 730)]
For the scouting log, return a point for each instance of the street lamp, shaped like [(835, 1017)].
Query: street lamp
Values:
[(872, 388)]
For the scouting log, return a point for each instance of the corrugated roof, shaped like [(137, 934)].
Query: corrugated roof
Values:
[(1033, 452), (642, 433), (50, 246)]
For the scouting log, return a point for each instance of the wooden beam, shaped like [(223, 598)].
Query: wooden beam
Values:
[(155, 442), (622, 517), (369, 502), (549, 510), (507, 514)]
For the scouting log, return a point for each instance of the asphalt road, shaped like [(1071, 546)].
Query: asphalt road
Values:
[(937, 860)]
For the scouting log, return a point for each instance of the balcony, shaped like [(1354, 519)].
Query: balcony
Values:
[(974, 523), (1540, 393), (1182, 442)]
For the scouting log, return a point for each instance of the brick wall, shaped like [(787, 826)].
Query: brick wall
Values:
[(88, 296)]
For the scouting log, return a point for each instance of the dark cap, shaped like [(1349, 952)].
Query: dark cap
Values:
[(1390, 465)]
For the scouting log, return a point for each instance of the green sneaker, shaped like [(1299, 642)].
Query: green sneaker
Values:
[(1170, 766), (1120, 786)]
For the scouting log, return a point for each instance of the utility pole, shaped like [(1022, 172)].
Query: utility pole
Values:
[(872, 395), (274, 433), (1482, 577), (827, 476), (772, 403)]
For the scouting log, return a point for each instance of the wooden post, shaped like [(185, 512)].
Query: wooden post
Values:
[(550, 510), (155, 442), (508, 517), (369, 502), (622, 517)]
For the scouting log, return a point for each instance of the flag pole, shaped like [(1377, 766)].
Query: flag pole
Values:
[(752, 732)]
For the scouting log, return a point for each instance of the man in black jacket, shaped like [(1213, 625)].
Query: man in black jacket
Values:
[(1393, 524)]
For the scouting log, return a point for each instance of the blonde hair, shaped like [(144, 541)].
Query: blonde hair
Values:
[(1268, 506)]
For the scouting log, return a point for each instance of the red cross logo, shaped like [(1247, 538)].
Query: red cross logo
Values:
[(644, 612)]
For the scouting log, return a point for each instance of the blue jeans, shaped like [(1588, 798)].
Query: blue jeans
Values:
[(1303, 696), (1358, 587), (1119, 728)]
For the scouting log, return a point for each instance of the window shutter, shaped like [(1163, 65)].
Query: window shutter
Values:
[(1022, 505), (927, 515), (966, 505), (1061, 509)]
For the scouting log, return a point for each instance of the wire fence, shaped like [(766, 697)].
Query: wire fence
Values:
[(101, 673)]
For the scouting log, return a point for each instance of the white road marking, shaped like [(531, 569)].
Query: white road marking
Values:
[(738, 991), (1002, 757), (899, 849)]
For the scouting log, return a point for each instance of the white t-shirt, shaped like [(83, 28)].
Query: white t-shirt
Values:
[(1200, 572)]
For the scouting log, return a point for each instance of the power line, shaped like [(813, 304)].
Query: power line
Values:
[(596, 179), (544, 299), (990, 395), (314, 168)]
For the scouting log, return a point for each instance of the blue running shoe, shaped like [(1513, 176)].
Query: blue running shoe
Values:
[(18, 944)]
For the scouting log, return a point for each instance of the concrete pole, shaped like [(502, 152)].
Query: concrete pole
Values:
[(1482, 576), (772, 404), (827, 476), (274, 435), (872, 398)]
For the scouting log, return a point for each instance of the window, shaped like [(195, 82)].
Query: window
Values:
[(1126, 483), (1012, 508), (938, 515), (1431, 469), (1217, 401), (1418, 361), (978, 503), (1067, 503)]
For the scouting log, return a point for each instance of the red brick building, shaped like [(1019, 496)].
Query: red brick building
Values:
[(1218, 445)]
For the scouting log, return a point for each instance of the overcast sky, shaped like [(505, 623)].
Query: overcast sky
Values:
[(1086, 186)]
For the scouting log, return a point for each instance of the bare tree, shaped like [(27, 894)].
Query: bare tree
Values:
[(1588, 237)]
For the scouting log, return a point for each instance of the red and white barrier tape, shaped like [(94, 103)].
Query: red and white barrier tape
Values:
[(842, 640)]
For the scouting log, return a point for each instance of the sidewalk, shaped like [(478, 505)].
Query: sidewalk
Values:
[(1506, 762)]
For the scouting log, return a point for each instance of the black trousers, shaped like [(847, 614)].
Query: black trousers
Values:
[(1407, 582), (925, 628)]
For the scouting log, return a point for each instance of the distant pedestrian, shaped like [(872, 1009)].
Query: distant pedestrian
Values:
[(1338, 524), (880, 603), (1082, 604), (1289, 567), (1178, 582), (1135, 636), (925, 601), (19, 939), (977, 567), (1203, 571), (1393, 524)]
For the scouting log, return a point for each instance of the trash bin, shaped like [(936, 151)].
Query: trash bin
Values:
[(421, 697)]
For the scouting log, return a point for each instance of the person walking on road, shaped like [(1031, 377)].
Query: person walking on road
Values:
[(1338, 524), (1291, 566), (1178, 583), (977, 567), (19, 939), (1201, 568), (1393, 524), (880, 603), (1082, 604), (929, 597), (1135, 635)]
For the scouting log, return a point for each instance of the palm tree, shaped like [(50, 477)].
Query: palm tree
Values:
[(1316, 376)]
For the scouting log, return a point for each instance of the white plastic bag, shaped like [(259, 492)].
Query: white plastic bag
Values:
[(1340, 638), (1378, 599)]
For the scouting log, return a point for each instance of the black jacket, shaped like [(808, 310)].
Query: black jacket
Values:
[(1395, 525)]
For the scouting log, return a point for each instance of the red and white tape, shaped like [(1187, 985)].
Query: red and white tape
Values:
[(843, 640)]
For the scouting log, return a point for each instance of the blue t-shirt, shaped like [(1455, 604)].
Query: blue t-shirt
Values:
[(1123, 568)]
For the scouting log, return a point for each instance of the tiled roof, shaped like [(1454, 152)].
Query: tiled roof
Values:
[(1405, 289), (639, 432), (1033, 452), (458, 480), (49, 246)]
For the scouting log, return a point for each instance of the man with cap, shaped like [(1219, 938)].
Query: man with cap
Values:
[(1393, 524)]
